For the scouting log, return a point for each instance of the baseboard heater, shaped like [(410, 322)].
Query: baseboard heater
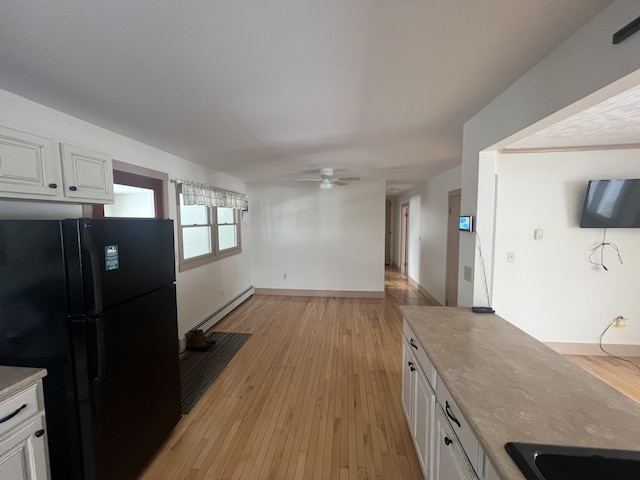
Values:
[(233, 303)]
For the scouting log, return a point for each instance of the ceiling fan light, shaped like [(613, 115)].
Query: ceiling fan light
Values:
[(326, 185)]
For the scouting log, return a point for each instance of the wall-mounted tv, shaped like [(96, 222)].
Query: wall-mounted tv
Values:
[(466, 223), (612, 204)]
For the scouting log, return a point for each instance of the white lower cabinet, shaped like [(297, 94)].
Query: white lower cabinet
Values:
[(23, 454), (408, 383), (418, 399), (446, 446), (489, 471), (23, 435), (424, 421), (451, 462)]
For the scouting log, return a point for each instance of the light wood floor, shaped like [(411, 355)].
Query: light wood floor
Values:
[(313, 394), (617, 373)]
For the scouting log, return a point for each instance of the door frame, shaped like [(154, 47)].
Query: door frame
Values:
[(388, 231), (404, 239), (453, 249)]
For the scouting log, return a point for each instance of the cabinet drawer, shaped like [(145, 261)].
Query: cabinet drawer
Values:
[(421, 355), (458, 424), (19, 407)]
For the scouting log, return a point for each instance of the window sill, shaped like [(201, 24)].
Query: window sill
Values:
[(196, 262)]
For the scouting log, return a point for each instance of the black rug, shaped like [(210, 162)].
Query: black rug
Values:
[(198, 370)]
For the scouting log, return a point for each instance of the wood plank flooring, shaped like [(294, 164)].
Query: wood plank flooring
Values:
[(313, 394), (619, 374)]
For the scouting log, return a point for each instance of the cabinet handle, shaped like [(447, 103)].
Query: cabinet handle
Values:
[(413, 344), (451, 415), (11, 415), (53, 185), (412, 367), (447, 441), (73, 188), (39, 433)]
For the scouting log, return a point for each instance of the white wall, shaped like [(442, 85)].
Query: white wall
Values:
[(434, 219), (583, 64), (428, 215), (322, 240), (551, 291), (199, 290)]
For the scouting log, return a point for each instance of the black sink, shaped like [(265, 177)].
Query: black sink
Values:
[(556, 462)]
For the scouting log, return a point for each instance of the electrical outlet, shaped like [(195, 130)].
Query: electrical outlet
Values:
[(620, 322)]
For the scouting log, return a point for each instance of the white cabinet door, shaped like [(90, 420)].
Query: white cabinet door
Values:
[(425, 401), (450, 461), (87, 175), (23, 455), (408, 384), (489, 472), (29, 166)]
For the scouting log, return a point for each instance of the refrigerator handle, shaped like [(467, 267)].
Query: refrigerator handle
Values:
[(94, 266), (101, 362)]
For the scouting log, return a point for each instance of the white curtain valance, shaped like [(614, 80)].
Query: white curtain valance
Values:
[(200, 194)]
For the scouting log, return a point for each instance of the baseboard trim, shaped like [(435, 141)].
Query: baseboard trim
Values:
[(213, 318), (424, 292), (593, 349), (430, 297), (319, 293)]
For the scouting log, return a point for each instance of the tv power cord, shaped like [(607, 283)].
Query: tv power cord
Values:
[(600, 247)]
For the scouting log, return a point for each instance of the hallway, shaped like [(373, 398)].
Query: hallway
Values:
[(402, 290)]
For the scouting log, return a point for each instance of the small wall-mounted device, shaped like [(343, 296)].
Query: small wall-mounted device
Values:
[(466, 223)]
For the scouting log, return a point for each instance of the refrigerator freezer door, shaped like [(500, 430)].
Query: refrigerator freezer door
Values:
[(113, 261), (33, 303), (132, 353)]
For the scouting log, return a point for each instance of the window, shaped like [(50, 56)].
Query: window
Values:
[(138, 193), (206, 234)]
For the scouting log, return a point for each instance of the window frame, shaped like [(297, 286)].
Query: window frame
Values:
[(216, 254), (135, 176)]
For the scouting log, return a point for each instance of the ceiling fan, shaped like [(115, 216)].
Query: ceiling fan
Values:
[(326, 179)]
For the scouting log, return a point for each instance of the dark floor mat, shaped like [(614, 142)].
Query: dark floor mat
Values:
[(198, 370)]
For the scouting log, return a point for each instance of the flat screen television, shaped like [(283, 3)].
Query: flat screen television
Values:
[(612, 204)]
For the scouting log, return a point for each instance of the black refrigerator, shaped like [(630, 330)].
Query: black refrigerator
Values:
[(94, 302)]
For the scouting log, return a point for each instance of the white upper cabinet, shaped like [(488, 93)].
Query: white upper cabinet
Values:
[(87, 175), (33, 167), (29, 166)]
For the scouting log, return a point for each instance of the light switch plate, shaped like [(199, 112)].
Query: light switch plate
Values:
[(468, 272)]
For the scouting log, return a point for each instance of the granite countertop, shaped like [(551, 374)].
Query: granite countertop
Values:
[(13, 379), (512, 388)]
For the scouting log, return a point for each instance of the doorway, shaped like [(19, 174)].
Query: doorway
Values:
[(387, 235), (453, 241), (404, 239)]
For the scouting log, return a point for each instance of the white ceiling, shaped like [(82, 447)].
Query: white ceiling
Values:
[(272, 90), (613, 122)]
